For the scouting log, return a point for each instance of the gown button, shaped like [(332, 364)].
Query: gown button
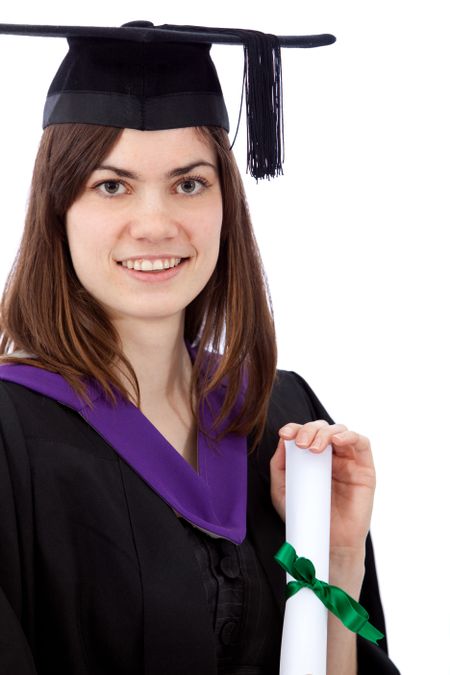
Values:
[(230, 567), (227, 632)]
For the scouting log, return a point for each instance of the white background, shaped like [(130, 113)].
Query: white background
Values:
[(352, 238)]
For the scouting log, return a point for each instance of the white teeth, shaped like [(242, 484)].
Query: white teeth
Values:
[(151, 265)]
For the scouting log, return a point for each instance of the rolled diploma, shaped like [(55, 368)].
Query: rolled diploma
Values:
[(308, 507)]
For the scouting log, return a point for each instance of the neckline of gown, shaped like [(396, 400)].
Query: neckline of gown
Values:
[(213, 499)]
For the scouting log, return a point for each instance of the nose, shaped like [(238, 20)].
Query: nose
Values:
[(152, 219)]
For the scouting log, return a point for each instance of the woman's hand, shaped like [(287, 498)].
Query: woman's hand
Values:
[(353, 481)]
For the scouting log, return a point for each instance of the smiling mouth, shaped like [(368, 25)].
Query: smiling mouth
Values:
[(157, 265)]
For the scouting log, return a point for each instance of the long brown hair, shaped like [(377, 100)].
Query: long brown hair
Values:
[(45, 310)]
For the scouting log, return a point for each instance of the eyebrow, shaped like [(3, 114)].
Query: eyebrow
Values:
[(179, 171)]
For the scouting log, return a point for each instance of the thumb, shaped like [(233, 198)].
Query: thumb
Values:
[(278, 461)]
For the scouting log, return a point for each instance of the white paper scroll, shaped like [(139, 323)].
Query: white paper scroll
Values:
[(308, 503)]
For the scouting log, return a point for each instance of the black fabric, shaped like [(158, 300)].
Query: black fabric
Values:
[(97, 574), (245, 618), (143, 69), (145, 31), (130, 84), (174, 111)]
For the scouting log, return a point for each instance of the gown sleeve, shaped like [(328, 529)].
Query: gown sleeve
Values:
[(294, 401), (15, 652)]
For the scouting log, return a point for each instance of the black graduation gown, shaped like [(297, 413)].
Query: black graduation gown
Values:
[(97, 575)]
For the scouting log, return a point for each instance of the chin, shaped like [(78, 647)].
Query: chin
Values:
[(145, 313)]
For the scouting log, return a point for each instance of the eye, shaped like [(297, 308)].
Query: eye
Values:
[(191, 186), (110, 188)]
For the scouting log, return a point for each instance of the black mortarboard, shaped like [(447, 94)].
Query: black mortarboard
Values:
[(141, 76)]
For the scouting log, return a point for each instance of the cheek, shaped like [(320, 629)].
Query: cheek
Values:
[(85, 236), (210, 242), (208, 233), (75, 231)]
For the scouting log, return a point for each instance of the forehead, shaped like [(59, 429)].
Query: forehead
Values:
[(162, 149)]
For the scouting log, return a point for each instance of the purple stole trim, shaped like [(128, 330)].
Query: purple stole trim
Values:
[(214, 499)]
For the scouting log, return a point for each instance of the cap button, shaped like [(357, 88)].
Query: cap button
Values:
[(138, 24)]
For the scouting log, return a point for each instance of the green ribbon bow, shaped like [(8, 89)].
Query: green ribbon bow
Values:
[(350, 612)]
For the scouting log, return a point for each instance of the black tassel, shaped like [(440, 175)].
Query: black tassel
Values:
[(264, 101)]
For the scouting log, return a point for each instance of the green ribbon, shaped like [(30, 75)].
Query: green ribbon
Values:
[(350, 612)]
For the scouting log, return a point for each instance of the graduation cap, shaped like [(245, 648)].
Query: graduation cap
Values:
[(141, 76)]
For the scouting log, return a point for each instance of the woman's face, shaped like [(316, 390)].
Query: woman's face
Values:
[(144, 233)]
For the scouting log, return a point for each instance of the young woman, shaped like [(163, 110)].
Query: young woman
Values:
[(142, 421)]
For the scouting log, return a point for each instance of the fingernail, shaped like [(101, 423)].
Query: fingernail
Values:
[(288, 429)]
